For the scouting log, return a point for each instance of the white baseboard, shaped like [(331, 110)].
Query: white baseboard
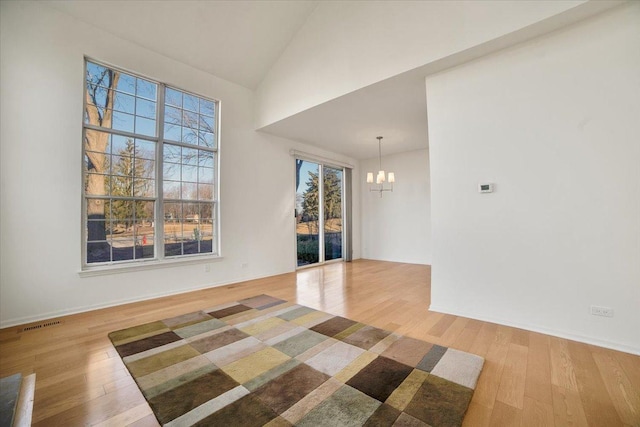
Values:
[(83, 309), (535, 328)]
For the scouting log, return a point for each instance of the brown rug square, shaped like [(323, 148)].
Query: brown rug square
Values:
[(265, 361)]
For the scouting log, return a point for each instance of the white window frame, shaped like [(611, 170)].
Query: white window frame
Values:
[(159, 260)]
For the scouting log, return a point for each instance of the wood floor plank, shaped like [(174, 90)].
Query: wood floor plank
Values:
[(562, 369), (474, 325), (101, 373), (452, 333), (128, 417), (77, 382), (417, 326), (95, 410), (536, 413), (520, 337), (567, 408), (597, 403), (489, 380), (148, 421), (504, 415), (465, 339), (66, 399), (81, 379), (484, 339), (625, 398), (114, 386), (477, 416), (538, 384), (631, 365), (442, 325), (512, 383)]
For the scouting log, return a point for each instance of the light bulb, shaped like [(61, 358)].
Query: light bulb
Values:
[(369, 177)]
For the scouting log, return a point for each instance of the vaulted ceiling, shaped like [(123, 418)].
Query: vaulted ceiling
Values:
[(235, 40), (240, 41)]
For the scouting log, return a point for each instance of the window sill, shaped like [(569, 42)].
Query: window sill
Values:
[(146, 265)]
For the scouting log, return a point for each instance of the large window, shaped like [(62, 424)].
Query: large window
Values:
[(150, 159)]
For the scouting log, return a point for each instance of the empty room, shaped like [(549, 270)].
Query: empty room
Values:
[(320, 213)]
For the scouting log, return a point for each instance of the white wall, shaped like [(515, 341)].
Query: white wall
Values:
[(554, 123), (347, 45), (41, 81), (397, 227)]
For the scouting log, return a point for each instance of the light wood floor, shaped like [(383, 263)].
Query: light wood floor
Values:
[(529, 379)]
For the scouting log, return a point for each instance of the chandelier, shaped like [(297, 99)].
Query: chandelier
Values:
[(380, 178)]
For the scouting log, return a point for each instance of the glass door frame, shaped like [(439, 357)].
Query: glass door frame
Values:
[(321, 221)]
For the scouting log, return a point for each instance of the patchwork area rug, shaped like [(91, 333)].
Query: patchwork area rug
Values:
[(265, 361)]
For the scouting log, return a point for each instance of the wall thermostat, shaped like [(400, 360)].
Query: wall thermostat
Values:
[(485, 188)]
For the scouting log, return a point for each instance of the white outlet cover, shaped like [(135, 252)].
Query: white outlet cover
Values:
[(601, 311)]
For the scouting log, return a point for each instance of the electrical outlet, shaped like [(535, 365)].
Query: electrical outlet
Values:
[(207, 268), (244, 264), (601, 311)]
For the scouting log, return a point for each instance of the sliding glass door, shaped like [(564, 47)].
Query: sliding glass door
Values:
[(319, 213), (307, 212), (332, 202)]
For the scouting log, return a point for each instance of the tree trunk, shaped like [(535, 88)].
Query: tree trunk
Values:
[(95, 149), (95, 185)]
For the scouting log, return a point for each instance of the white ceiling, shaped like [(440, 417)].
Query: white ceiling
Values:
[(235, 40), (395, 108)]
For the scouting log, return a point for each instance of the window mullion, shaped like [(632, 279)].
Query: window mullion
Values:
[(159, 240), (120, 132), (187, 145), (321, 254)]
